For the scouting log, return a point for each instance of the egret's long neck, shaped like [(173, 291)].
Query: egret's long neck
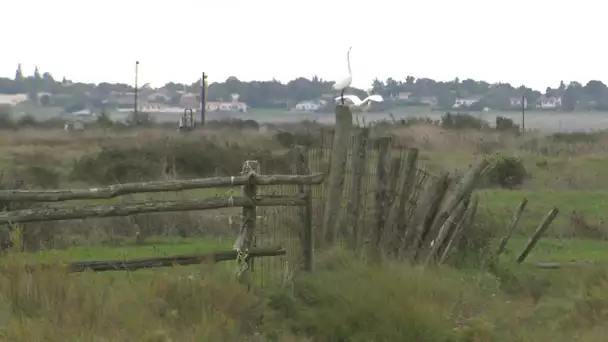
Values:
[(348, 60)]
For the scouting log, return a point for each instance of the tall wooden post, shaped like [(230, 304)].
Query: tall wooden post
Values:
[(335, 180), (246, 236), (300, 164)]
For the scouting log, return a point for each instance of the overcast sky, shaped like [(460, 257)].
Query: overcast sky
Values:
[(534, 42)]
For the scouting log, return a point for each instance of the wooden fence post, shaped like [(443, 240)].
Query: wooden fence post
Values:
[(354, 200), (514, 221), (404, 188), (245, 238), (305, 212), (537, 234), (337, 167), (441, 224), (382, 174)]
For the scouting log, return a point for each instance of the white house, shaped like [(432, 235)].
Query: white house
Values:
[(517, 102), (150, 107), (227, 106), (12, 99), (232, 106), (549, 102), (308, 106), (404, 95), (465, 102), (430, 100)]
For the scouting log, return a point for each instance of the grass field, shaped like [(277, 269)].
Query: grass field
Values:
[(347, 298)]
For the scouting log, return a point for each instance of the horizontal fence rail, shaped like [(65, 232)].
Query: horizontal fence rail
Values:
[(136, 264), (156, 186), (96, 211)]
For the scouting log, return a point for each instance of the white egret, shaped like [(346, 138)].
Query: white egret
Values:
[(343, 83), (357, 102)]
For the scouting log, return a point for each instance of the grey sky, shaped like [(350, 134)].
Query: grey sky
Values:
[(534, 42)]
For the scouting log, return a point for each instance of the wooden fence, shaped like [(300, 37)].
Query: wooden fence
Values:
[(380, 197), (250, 199)]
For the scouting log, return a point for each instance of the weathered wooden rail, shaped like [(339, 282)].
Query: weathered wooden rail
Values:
[(249, 201), (169, 261)]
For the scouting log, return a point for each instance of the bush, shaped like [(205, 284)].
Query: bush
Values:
[(506, 124), (462, 121), (104, 119), (5, 118), (140, 119), (233, 123), (506, 172), (576, 137), (186, 158), (416, 121), (26, 121)]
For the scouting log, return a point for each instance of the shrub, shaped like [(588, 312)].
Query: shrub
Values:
[(104, 119), (5, 118), (576, 137), (417, 121), (506, 124), (506, 172), (188, 158), (233, 123), (26, 121), (462, 121)]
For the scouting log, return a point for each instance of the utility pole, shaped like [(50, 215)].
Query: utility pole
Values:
[(136, 91), (523, 114), (203, 98)]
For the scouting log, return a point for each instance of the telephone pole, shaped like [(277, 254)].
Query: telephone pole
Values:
[(136, 91), (203, 98)]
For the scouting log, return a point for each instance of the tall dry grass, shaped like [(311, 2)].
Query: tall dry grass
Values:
[(346, 299)]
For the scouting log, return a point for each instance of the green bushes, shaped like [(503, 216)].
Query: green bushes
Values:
[(462, 121), (506, 172), (506, 124), (186, 158), (576, 137)]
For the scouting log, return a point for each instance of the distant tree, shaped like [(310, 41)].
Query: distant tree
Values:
[(37, 76), (571, 96), (47, 77), (19, 73)]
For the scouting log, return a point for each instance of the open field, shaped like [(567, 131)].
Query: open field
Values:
[(544, 121), (347, 297)]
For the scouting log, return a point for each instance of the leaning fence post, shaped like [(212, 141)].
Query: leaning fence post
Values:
[(512, 226), (245, 239), (337, 167), (537, 234), (305, 212)]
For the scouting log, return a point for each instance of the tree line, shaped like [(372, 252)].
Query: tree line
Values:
[(275, 94)]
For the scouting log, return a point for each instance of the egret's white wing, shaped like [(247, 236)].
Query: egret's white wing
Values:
[(376, 98), (353, 98)]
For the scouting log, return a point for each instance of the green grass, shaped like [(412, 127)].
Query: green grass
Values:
[(153, 247), (554, 249), (498, 205), (345, 299)]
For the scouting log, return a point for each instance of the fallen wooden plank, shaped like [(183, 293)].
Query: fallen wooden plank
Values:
[(136, 264), (564, 264)]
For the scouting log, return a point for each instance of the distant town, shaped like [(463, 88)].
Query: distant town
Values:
[(41, 93)]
